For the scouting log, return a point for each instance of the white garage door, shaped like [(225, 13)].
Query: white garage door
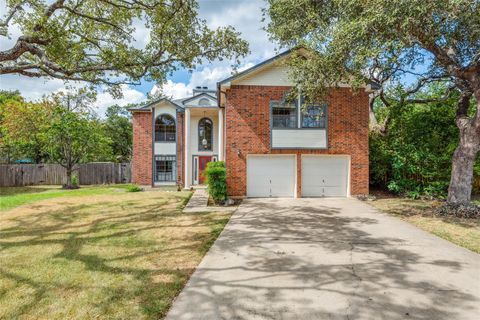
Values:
[(324, 176), (270, 176)]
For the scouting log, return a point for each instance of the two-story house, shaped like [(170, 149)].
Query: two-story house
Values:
[(272, 146)]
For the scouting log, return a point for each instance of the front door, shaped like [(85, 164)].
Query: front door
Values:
[(202, 165)]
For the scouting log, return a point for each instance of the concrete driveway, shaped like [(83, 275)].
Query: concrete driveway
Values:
[(329, 259)]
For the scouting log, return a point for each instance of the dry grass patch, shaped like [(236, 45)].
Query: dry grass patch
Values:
[(105, 256), (463, 232)]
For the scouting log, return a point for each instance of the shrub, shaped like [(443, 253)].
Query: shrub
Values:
[(414, 157), (216, 174), (75, 182), (460, 210), (134, 188)]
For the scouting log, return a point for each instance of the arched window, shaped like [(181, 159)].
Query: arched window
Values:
[(205, 134), (165, 128), (204, 102)]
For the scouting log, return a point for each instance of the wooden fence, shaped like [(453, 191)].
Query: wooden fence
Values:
[(17, 175)]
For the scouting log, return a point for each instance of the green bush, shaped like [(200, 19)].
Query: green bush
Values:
[(414, 158), (134, 188), (75, 182), (216, 174)]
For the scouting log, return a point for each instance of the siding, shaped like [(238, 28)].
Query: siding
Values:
[(299, 138), (271, 75)]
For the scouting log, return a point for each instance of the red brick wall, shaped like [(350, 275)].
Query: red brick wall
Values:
[(142, 148), (248, 130), (180, 148)]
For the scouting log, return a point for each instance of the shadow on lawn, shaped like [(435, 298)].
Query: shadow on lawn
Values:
[(133, 228), (372, 276), (10, 191)]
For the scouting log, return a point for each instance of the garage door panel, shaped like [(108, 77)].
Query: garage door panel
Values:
[(330, 180), (324, 176), (270, 176)]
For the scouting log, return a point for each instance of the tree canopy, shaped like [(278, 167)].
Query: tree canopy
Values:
[(383, 40), (28, 129), (111, 41)]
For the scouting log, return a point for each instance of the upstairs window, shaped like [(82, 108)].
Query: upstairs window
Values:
[(165, 130), (205, 134), (314, 116), (284, 115)]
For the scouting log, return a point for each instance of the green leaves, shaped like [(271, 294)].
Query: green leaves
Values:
[(414, 157), (72, 137), (112, 41), (351, 40), (216, 173)]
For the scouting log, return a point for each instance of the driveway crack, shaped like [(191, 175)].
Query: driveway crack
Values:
[(357, 281)]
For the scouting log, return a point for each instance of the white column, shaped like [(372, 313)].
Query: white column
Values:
[(187, 155), (220, 134)]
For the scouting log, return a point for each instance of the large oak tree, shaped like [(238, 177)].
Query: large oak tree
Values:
[(402, 44), (110, 42)]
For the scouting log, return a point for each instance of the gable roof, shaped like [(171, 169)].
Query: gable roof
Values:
[(203, 94), (255, 67), (148, 106), (263, 64), (177, 103)]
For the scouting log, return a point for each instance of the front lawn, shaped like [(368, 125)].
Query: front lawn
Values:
[(108, 255), (463, 232)]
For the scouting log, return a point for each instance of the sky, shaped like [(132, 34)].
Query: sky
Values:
[(244, 15)]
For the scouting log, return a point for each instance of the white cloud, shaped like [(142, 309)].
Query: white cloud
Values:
[(34, 89), (172, 89), (31, 88), (105, 100), (246, 17), (206, 77)]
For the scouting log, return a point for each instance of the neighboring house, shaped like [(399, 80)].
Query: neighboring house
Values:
[(272, 147)]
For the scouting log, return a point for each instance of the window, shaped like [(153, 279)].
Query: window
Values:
[(204, 102), (165, 128), (165, 168), (205, 134), (284, 115), (314, 116)]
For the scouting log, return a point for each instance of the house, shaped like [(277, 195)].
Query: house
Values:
[(272, 146)]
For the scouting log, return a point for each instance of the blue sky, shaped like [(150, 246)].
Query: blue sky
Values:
[(244, 15)]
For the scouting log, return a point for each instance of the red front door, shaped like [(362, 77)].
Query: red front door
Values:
[(202, 165)]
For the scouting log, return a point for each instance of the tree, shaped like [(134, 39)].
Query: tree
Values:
[(118, 128), (392, 42), (73, 137), (95, 40), (414, 156), (22, 123)]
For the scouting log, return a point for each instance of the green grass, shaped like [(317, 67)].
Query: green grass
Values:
[(116, 255), (12, 197), (463, 232)]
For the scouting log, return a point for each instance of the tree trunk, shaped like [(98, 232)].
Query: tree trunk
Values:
[(460, 189), (373, 118), (68, 184)]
